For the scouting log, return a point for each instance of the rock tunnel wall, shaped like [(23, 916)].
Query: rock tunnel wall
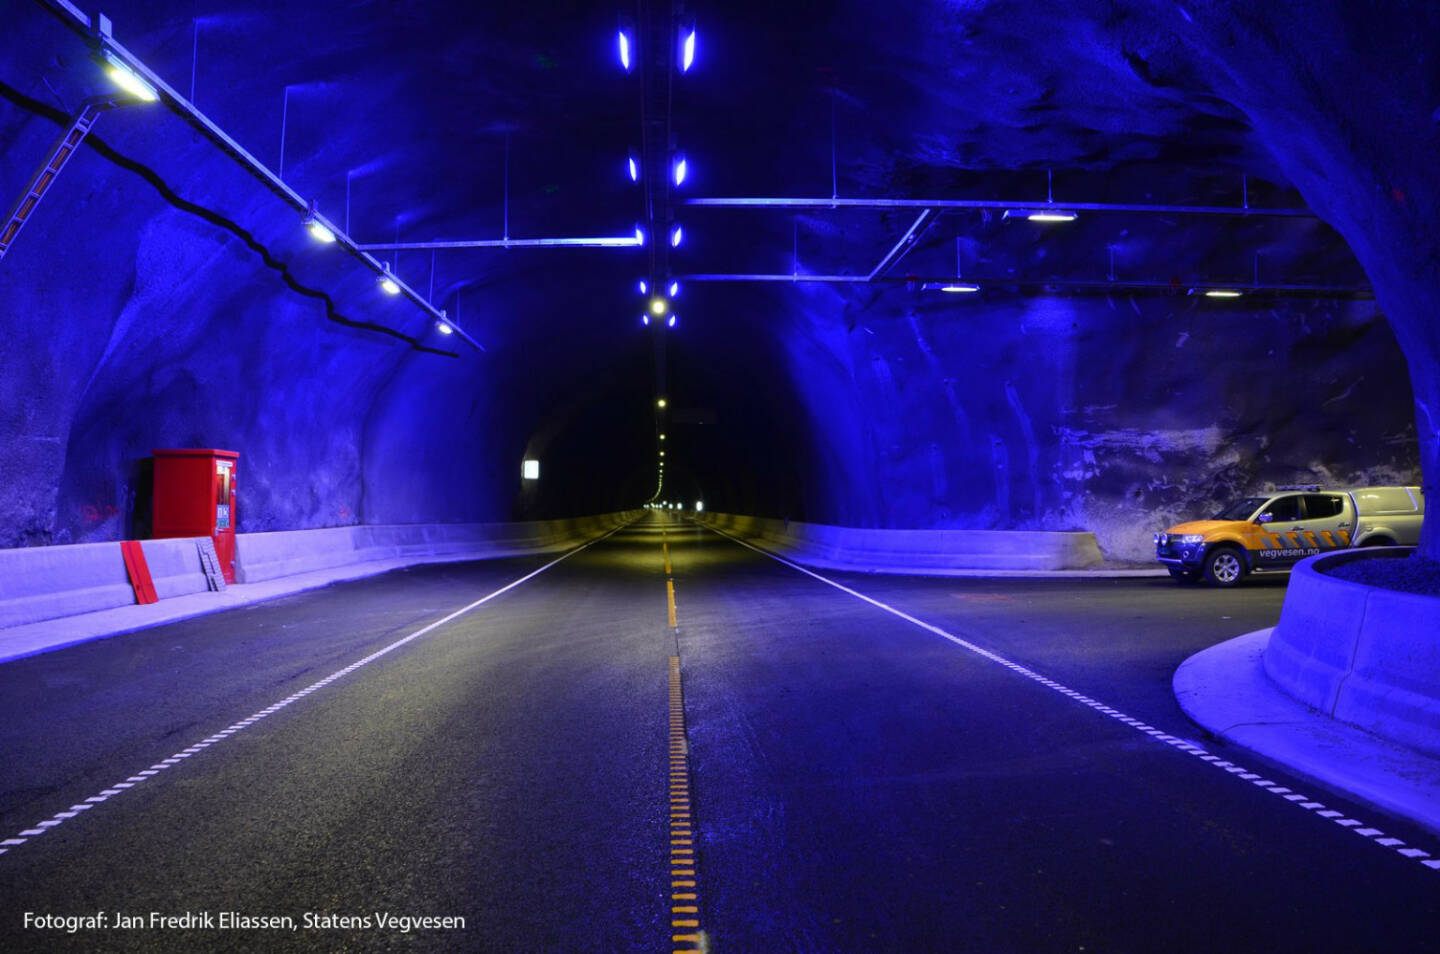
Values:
[(164, 298), (1119, 414), (1116, 414)]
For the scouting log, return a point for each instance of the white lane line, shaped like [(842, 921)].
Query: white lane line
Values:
[(1301, 801), (59, 818)]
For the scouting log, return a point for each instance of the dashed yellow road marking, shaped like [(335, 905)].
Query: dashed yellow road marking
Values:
[(684, 898), (670, 601)]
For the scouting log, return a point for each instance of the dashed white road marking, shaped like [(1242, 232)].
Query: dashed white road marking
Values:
[(1182, 745), (59, 818)]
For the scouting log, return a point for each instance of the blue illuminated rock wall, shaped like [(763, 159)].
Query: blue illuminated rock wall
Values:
[(161, 326), (131, 324), (1119, 414), (163, 297)]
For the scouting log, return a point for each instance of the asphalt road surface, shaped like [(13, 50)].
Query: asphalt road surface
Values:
[(667, 741)]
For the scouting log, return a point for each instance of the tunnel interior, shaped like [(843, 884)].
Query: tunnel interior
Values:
[(164, 295)]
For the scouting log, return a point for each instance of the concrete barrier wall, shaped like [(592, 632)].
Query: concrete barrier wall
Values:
[(46, 582), (174, 566), (39, 583), (42, 583), (914, 551), (266, 556), (1364, 655)]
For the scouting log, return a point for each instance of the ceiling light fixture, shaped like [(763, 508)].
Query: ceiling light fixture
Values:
[(623, 43), (1041, 215), (639, 235), (687, 43), (632, 165), (957, 287), (658, 306), (677, 235), (1051, 215), (127, 79), (644, 286), (670, 323), (680, 168), (1221, 292), (386, 281), (1044, 214), (318, 230), (674, 289)]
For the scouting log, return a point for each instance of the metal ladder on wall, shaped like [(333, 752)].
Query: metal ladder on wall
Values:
[(40, 183)]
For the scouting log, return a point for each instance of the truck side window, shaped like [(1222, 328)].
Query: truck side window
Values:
[(1284, 509), (1320, 506)]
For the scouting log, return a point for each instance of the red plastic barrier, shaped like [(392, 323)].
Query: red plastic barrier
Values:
[(139, 572)]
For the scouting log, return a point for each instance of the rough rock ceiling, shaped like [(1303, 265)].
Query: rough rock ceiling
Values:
[(416, 106)]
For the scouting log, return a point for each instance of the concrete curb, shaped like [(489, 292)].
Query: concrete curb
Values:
[(1225, 690)]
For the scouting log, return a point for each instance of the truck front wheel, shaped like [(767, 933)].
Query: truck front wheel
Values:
[(1224, 566)]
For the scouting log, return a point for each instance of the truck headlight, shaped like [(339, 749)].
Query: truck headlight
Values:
[(1193, 538)]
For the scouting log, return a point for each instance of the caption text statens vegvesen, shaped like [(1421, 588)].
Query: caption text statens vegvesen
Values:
[(235, 920)]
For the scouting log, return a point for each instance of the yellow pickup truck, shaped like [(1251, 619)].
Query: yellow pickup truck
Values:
[(1275, 532)]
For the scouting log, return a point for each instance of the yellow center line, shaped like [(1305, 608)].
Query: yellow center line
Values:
[(684, 899), (670, 600)]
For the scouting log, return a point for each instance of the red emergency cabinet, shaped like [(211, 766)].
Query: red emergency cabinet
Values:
[(195, 497)]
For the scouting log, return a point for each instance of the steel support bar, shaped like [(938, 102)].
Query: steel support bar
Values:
[(907, 242), (97, 32), (65, 147), (1354, 291), (1029, 206), (742, 277), (614, 241)]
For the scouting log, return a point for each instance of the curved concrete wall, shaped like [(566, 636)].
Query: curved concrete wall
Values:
[(1364, 655), (915, 551)]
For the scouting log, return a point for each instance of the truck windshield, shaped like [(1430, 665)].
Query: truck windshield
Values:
[(1241, 509)]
